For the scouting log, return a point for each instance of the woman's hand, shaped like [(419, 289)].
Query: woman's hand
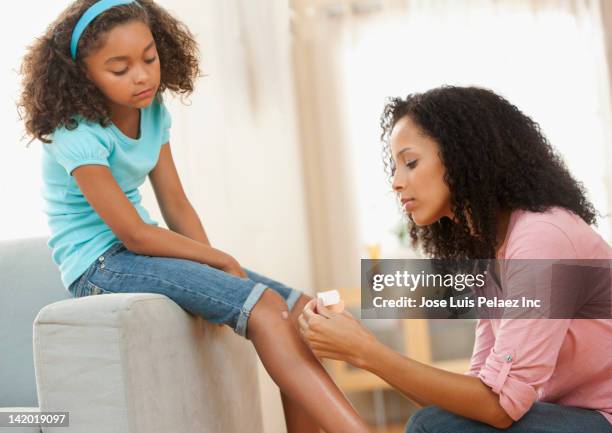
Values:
[(336, 335)]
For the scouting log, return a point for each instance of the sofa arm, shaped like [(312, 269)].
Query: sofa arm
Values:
[(138, 363)]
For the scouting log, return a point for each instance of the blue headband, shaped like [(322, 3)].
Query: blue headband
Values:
[(90, 15)]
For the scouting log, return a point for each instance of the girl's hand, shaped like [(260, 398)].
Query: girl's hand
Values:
[(233, 267), (336, 335)]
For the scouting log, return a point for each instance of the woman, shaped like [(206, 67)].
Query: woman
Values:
[(479, 180)]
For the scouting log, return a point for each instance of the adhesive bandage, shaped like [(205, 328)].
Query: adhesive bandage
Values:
[(331, 300)]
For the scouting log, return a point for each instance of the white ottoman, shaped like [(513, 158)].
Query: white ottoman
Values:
[(138, 363)]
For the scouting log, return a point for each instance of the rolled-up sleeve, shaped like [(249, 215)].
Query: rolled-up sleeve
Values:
[(525, 350), (482, 346), (523, 358)]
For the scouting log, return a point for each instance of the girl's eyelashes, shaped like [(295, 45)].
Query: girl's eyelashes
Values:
[(119, 73)]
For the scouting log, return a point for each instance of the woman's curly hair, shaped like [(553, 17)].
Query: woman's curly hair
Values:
[(55, 88), (496, 158)]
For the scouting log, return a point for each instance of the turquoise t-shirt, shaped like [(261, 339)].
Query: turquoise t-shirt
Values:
[(78, 235)]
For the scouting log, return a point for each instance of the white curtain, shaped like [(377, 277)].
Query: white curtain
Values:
[(547, 57), (606, 20)]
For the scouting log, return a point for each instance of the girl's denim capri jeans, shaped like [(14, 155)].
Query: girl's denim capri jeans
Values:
[(198, 288)]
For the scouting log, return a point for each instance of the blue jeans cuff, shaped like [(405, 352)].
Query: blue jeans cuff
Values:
[(292, 298), (245, 312)]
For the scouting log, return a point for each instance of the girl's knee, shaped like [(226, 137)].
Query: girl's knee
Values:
[(269, 303), (270, 300), (272, 308), (299, 306)]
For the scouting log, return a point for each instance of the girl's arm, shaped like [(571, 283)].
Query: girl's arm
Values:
[(179, 214), (106, 197)]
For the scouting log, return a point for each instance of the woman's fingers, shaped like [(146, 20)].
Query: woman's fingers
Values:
[(348, 314), (308, 312), (310, 304), (323, 354), (303, 325), (333, 335), (308, 323), (323, 310)]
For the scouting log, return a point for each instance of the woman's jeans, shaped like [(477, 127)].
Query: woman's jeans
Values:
[(541, 418), (199, 289)]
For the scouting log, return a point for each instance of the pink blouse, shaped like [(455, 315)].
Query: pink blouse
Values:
[(561, 361)]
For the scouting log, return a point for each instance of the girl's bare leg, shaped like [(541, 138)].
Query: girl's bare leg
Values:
[(296, 418), (296, 371)]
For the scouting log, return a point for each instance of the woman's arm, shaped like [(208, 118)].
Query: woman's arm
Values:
[(458, 393), (179, 214), (342, 337)]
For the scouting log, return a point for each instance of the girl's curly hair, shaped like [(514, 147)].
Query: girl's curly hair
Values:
[(496, 158), (55, 87)]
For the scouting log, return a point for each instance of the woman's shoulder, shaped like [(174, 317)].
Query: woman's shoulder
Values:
[(554, 233), (562, 218)]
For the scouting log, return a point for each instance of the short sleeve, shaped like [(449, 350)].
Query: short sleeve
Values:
[(81, 146), (166, 122)]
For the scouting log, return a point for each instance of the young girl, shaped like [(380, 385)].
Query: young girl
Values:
[(477, 179), (92, 93)]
